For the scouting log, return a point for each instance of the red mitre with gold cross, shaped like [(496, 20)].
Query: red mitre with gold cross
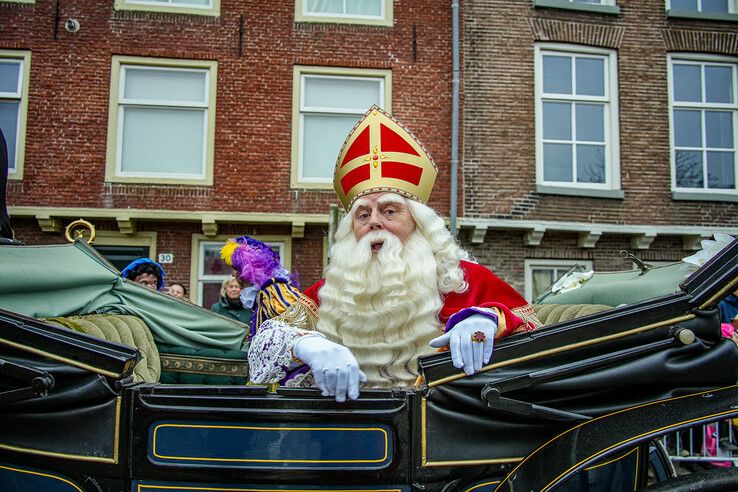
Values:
[(382, 155)]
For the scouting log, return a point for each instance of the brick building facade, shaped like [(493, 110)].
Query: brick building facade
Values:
[(517, 219), (267, 87), (260, 58)]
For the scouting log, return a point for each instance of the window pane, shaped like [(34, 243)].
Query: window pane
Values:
[(163, 141), (684, 4), (719, 129), (357, 93), (9, 125), (541, 280), (556, 121), (557, 74), (718, 84), (323, 136), (721, 170), (213, 264), (210, 293), (687, 85), (364, 7), (324, 6), (164, 85), (557, 162), (590, 163), (715, 6), (687, 128), (688, 169), (590, 122), (590, 76), (192, 2), (9, 77)]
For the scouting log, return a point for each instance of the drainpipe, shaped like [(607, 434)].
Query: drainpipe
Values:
[(454, 111)]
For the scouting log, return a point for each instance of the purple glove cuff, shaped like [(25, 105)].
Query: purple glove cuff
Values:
[(460, 316)]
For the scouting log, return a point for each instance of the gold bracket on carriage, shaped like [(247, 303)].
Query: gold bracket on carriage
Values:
[(80, 230)]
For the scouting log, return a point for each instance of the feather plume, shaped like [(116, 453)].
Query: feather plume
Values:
[(226, 252), (256, 263)]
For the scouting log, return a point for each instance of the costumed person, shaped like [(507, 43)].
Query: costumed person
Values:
[(397, 284), (229, 304), (146, 272), (269, 289)]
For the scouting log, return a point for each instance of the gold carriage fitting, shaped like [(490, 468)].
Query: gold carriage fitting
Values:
[(380, 154)]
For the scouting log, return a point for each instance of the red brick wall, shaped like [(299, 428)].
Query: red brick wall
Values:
[(69, 94), (70, 80)]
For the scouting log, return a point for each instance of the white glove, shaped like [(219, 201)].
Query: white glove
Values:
[(334, 367), (465, 352)]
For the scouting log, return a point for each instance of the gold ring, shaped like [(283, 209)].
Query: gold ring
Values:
[(478, 337)]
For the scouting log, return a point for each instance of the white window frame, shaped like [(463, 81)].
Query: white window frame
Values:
[(560, 266), (385, 18), (732, 8), (299, 110), (199, 241), (610, 100), (115, 119), (170, 7), (702, 59), (20, 95)]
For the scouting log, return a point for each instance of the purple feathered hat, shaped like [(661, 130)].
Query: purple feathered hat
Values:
[(254, 261)]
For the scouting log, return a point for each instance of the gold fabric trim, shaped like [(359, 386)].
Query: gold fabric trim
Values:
[(204, 365), (302, 315), (529, 317)]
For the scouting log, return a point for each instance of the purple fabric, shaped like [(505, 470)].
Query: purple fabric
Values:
[(291, 374), (460, 316)]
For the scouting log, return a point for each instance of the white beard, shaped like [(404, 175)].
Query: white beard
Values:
[(384, 307)]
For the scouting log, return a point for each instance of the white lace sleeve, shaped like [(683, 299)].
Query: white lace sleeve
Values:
[(270, 354)]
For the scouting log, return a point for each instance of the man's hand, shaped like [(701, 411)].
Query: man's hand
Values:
[(471, 342), (334, 367)]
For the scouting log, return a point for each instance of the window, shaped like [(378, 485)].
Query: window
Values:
[(161, 123), (208, 270), (371, 12), (326, 105), (120, 249), (540, 274), (600, 6), (706, 6), (704, 108), (14, 70), (577, 136), (196, 7)]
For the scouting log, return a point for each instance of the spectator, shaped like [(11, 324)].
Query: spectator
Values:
[(230, 302), (728, 308), (146, 272), (178, 290)]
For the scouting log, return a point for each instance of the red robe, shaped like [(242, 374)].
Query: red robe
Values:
[(485, 290)]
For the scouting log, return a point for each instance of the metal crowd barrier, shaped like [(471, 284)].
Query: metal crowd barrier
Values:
[(715, 443)]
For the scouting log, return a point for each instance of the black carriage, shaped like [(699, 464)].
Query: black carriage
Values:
[(576, 405)]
